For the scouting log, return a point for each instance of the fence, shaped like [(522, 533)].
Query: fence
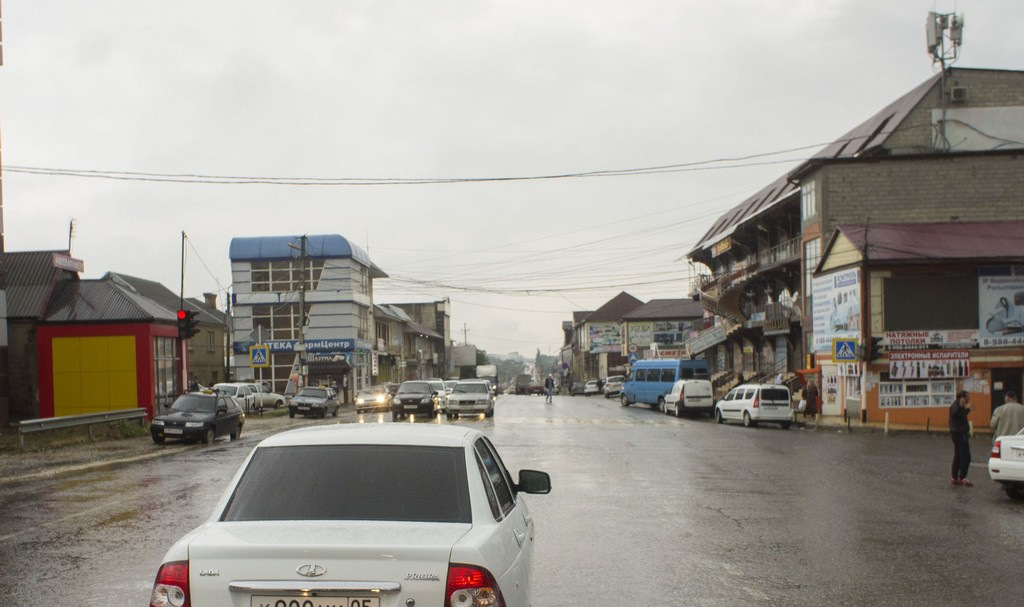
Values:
[(30, 426)]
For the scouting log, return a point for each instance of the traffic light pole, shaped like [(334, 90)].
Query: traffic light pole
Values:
[(181, 307)]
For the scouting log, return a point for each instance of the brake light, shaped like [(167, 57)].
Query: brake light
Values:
[(996, 448), (470, 586), (757, 401), (170, 589)]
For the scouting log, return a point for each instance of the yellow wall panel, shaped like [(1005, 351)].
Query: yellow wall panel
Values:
[(66, 354), (94, 374)]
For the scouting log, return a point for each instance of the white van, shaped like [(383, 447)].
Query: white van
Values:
[(753, 403)]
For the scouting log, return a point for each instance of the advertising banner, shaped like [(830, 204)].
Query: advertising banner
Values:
[(604, 337), (836, 308), (1001, 306), (641, 334), (923, 340), (929, 365)]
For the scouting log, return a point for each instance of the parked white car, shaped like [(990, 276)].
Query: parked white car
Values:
[(241, 391), (591, 388), (265, 399), (755, 403), (1006, 464), (442, 522), (693, 395)]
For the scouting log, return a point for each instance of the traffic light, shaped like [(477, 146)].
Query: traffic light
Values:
[(188, 325)]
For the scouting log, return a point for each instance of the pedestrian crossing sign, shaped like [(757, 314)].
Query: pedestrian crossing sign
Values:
[(259, 356), (844, 350)]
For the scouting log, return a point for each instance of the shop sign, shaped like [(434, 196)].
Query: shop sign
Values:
[(922, 340), (929, 364), (721, 246)]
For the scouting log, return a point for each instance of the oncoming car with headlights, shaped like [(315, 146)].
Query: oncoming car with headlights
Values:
[(470, 396), (373, 398), (300, 525)]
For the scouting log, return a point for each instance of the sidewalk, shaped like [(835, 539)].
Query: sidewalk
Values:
[(49, 455), (837, 423)]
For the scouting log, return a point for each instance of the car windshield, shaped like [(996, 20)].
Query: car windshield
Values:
[(437, 385), (314, 392), (470, 389), (375, 390), (188, 403), (414, 387), (353, 483)]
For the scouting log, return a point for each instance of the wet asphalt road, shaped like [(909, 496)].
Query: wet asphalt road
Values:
[(646, 509)]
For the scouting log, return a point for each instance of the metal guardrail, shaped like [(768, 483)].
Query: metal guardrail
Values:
[(30, 426)]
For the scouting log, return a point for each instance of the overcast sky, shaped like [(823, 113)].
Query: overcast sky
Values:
[(386, 92)]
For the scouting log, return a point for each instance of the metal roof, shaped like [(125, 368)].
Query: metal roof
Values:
[(984, 241), (864, 139), (411, 327), (667, 309), (103, 300), (615, 308), (318, 246), (157, 292), (30, 276)]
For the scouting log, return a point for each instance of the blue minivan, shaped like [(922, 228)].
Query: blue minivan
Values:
[(650, 380)]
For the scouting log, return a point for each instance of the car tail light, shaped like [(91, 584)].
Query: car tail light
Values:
[(757, 401), (470, 586), (170, 589), (996, 448)]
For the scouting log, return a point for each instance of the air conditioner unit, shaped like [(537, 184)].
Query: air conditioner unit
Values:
[(958, 94)]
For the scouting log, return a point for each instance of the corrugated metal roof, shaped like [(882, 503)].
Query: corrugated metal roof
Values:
[(615, 308), (160, 294), (866, 137), (102, 301), (30, 278), (985, 241), (667, 309), (411, 327)]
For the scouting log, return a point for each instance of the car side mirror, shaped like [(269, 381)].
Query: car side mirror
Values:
[(533, 481)]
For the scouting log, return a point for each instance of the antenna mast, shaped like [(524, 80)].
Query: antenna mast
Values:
[(938, 29)]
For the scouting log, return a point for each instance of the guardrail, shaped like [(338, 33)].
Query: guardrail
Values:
[(30, 426)]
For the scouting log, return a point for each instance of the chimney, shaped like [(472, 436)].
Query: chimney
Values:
[(210, 300)]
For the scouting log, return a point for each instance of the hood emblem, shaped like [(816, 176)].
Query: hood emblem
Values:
[(311, 570)]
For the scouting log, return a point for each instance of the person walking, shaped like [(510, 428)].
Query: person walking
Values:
[(1008, 418), (811, 396), (959, 428), (549, 387)]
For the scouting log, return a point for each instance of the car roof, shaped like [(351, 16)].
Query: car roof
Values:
[(473, 381), (762, 386), (428, 435)]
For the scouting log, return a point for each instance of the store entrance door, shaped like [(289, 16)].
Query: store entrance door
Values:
[(1004, 379)]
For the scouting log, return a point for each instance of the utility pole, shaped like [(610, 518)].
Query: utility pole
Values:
[(465, 337), (301, 347)]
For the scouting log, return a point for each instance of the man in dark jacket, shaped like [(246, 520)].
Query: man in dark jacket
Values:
[(959, 428)]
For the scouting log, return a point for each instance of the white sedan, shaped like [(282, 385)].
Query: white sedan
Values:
[(1006, 464), (381, 515)]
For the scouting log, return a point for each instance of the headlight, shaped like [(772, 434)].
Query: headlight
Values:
[(194, 424), (429, 399), (381, 398), (158, 422), (360, 401)]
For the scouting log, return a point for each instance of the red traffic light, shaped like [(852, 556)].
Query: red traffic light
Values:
[(181, 314)]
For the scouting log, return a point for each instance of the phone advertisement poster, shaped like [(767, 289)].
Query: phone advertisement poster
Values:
[(1001, 307)]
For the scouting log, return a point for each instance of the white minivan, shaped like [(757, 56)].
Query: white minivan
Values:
[(753, 403)]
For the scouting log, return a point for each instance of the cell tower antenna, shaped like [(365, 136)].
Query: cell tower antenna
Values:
[(944, 33)]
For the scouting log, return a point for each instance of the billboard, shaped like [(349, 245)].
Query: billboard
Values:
[(604, 337), (464, 356), (1001, 306), (836, 308)]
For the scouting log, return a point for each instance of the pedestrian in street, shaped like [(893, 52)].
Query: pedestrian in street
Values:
[(959, 428), (1008, 418), (549, 387), (811, 396)]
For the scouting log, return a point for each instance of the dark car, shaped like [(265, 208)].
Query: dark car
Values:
[(414, 397), (373, 398), (199, 416), (315, 402), (535, 389)]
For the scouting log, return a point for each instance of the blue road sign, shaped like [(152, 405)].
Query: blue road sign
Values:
[(259, 356), (844, 350)]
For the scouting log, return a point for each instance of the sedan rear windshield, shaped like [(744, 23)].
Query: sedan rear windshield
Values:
[(353, 483)]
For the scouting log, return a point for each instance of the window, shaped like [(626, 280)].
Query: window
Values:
[(496, 475), (812, 253), (285, 276), (668, 375), (353, 483), (809, 200), (165, 370)]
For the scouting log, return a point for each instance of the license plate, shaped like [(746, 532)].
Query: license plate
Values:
[(410, 406), (173, 431), (315, 601), (306, 408)]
